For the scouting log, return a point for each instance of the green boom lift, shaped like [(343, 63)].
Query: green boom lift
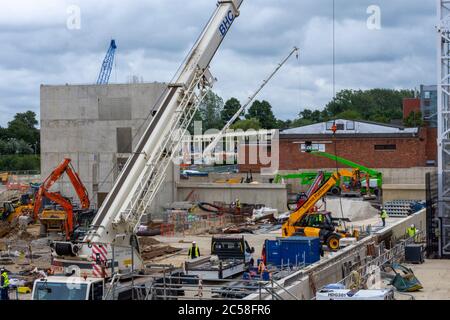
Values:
[(306, 178)]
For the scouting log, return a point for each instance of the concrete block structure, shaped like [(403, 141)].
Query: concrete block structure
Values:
[(97, 126)]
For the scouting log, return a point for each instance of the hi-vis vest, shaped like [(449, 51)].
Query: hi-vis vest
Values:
[(411, 232), (5, 280), (384, 214), (196, 253)]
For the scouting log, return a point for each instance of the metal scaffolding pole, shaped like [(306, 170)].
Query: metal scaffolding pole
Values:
[(443, 112)]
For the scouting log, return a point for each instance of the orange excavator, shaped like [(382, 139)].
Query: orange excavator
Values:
[(57, 220)]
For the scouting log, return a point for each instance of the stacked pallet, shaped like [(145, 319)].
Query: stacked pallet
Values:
[(398, 208)]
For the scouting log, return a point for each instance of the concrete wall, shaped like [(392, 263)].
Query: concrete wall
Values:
[(271, 195), (403, 192), (81, 122)]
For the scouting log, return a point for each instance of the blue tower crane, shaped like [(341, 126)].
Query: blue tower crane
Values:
[(105, 71)]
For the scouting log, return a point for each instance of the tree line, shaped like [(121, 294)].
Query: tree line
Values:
[(378, 105), (20, 143)]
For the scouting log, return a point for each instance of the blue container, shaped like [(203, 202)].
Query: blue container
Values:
[(293, 251)]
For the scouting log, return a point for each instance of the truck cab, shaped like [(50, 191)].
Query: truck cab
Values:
[(89, 288), (232, 248), (68, 288)]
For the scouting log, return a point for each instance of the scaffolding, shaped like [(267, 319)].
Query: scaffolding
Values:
[(443, 110)]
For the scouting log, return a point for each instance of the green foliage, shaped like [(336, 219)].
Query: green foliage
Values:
[(229, 109), (18, 143), (19, 162), (14, 146), (380, 105), (262, 110), (247, 124), (210, 111), (414, 119), (23, 127)]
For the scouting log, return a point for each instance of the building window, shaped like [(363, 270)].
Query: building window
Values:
[(427, 94), (124, 140), (350, 125), (329, 125), (385, 147), (427, 103), (339, 126)]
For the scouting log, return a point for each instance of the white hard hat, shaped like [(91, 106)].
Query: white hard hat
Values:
[(193, 242), (412, 226)]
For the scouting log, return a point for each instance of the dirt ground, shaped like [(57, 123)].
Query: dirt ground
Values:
[(435, 278), (204, 244)]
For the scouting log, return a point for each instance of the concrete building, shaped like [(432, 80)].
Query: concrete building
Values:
[(97, 127)]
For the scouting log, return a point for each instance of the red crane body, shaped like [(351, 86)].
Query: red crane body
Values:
[(80, 189)]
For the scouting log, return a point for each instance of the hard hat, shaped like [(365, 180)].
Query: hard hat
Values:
[(412, 226), (193, 242)]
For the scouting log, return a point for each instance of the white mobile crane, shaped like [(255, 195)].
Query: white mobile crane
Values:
[(110, 247)]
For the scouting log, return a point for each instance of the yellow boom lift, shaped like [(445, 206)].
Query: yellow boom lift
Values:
[(304, 222)]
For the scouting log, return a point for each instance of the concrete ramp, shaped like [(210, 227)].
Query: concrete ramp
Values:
[(353, 209)]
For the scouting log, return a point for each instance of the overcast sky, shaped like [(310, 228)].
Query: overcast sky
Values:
[(153, 36)]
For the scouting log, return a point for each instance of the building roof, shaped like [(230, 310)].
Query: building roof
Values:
[(351, 127)]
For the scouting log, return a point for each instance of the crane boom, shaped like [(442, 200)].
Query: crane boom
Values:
[(145, 169), (105, 70), (134, 190), (219, 136)]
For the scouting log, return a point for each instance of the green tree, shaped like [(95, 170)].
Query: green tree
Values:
[(229, 109), (380, 105), (23, 127), (262, 110), (247, 124), (414, 119), (210, 110), (350, 115)]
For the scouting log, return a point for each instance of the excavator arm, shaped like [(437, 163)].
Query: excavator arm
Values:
[(44, 192), (79, 187)]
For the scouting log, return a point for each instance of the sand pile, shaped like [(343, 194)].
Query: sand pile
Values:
[(353, 209)]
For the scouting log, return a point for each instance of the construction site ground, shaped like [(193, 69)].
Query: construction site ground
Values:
[(435, 278), (255, 240)]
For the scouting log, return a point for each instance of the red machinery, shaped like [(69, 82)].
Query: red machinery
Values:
[(68, 218)]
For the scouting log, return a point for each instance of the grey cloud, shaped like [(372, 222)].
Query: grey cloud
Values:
[(154, 35)]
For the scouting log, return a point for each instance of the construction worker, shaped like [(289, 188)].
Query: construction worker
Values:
[(238, 206), (194, 251), (4, 285), (383, 216), (412, 232), (261, 267)]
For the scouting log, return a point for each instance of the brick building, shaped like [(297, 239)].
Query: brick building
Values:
[(372, 144)]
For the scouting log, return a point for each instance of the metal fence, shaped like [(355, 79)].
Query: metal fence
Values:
[(169, 285)]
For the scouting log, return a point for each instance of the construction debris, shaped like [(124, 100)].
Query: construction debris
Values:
[(152, 248)]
